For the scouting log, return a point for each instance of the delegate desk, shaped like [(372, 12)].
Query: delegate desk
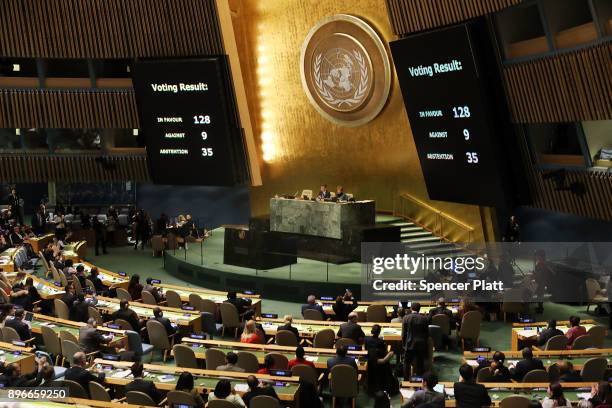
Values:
[(391, 332), (46, 289), (108, 278), (188, 320), (12, 258), (23, 356), (319, 218), (362, 307), (214, 295), (58, 325), (576, 357), (318, 356), (165, 378), (526, 334), (39, 243), (573, 392)]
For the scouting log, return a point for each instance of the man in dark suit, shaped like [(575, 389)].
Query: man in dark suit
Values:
[(159, 316), (79, 373), (242, 305), (256, 388), (312, 304), (90, 339), (124, 312), (547, 333), (79, 311), (441, 309), (139, 384), (288, 319), (468, 393), (17, 323), (341, 358), (323, 193), (16, 205), (415, 334), (524, 366), (351, 329), (69, 297)]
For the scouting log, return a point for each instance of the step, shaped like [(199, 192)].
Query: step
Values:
[(403, 224), (411, 229), (416, 234), (431, 245), (421, 239)]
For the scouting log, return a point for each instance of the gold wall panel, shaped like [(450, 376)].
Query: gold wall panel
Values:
[(377, 160)]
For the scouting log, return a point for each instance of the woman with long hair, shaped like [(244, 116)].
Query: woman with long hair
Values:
[(185, 384), (250, 334), (134, 287), (555, 398), (223, 391)]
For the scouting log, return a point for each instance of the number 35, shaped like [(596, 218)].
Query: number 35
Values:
[(472, 157)]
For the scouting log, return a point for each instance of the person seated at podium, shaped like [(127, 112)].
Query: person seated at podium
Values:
[(287, 320), (340, 194), (242, 305), (575, 331), (351, 329), (547, 333), (142, 385), (524, 366), (323, 193), (312, 304), (567, 372)]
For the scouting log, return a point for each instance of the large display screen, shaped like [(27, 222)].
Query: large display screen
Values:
[(187, 115), (442, 84)]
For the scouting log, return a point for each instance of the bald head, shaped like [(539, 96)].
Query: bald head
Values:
[(79, 358), (352, 317)]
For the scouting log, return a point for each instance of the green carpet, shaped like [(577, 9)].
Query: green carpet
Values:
[(493, 334)]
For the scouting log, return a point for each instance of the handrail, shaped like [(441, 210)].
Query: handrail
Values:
[(432, 219)]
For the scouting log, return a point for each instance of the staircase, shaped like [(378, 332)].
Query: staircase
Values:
[(421, 241)]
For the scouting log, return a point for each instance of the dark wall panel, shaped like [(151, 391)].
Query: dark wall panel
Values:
[(108, 28), (409, 16), (568, 87), (67, 109)]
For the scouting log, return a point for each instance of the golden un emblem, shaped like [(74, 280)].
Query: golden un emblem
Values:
[(345, 70)]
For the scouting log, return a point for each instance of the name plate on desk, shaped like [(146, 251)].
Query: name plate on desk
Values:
[(319, 218)]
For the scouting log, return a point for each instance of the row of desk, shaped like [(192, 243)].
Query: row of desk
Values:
[(362, 307), (166, 377), (318, 356), (526, 334), (498, 391)]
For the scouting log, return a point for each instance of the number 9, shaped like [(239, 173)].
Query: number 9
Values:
[(466, 134), (204, 135)]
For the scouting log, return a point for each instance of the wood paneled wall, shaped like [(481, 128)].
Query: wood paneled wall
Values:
[(409, 16), (108, 28), (67, 109), (595, 203), (35, 168), (568, 87)]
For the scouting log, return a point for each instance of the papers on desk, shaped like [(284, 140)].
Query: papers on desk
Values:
[(312, 359), (241, 387), (584, 395), (48, 324), (122, 374), (165, 378), (527, 333), (406, 393)]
